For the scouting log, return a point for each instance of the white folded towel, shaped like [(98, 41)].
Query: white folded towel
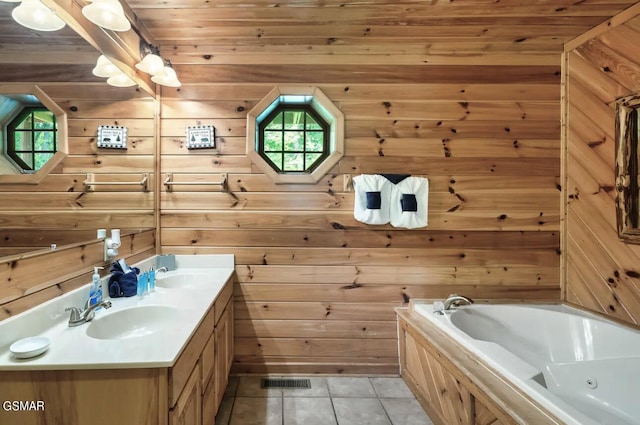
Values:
[(372, 195), (409, 203)]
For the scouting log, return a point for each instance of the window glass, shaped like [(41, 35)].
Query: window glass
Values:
[(293, 138), (32, 138)]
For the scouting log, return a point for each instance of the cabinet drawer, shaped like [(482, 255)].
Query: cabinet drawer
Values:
[(180, 372)]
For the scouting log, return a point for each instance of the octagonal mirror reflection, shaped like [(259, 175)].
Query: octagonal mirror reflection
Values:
[(33, 134)]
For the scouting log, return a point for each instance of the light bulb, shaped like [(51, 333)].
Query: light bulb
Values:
[(35, 15), (167, 78), (152, 64), (107, 14), (121, 80), (105, 68)]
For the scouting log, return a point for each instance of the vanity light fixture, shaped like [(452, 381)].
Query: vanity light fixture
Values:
[(35, 15), (105, 68), (121, 80), (107, 14), (152, 63), (168, 77)]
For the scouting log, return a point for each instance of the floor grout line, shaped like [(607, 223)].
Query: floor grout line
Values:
[(234, 395)]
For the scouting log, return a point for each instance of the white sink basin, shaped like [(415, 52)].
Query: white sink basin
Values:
[(192, 279), (133, 322)]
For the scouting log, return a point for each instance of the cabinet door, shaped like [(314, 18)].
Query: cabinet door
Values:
[(443, 395), (188, 408), (224, 351)]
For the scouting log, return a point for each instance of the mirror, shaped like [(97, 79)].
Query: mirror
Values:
[(28, 61), (21, 243), (627, 174), (33, 134)]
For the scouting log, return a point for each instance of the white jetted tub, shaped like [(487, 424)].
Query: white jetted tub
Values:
[(583, 369)]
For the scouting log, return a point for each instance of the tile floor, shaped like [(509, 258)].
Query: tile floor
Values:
[(330, 401)]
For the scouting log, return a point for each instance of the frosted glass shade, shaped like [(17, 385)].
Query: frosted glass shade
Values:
[(107, 14), (167, 78), (152, 64), (121, 80), (35, 15), (105, 69)]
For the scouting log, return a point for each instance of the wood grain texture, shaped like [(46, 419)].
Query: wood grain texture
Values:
[(465, 92), (603, 275), (487, 135), (70, 396)]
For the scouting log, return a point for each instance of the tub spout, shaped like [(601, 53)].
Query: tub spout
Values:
[(455, 301)]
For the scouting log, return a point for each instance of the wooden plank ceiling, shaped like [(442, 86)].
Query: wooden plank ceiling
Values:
[(244, 33), (28, 55)]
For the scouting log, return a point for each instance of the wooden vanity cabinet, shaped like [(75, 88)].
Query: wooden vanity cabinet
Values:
[(213, 344), (188, 393), (218, 356)]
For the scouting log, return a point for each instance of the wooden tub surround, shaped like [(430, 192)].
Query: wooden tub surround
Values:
[(453, 385)]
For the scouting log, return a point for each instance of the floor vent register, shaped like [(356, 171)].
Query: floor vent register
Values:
[(286, 383)]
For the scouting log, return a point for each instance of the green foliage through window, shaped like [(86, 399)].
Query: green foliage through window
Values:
[(293, 138), (32, 138)]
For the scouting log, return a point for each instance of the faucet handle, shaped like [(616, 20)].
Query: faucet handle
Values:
[(75, 313), (438, 307)]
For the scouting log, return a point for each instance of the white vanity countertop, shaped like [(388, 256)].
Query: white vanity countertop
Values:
[(72, 348)]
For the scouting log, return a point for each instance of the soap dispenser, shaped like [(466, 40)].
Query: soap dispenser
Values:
[(95, 296)]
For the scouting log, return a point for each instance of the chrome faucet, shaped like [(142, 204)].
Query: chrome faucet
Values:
[(78, 317), (162, 269), (455, 300), (452, 300)]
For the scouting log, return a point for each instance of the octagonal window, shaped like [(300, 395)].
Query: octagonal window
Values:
[(295, 135), (33, 134), (293, 138)]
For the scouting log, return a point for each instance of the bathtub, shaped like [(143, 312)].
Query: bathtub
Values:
[(583, 369)]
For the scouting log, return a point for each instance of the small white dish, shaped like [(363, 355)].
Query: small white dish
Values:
[(29, 347)]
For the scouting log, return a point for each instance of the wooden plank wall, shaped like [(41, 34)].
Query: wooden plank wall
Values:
[(316, 289), (59, 206), (602, 272)]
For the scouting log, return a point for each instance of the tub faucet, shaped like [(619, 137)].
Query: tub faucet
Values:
[(78, 317), (162, 269), (455, 300)]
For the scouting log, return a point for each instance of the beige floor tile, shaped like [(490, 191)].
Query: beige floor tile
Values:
[(391, 388), (360, 411), (405, 411), (350, 387), (319, 388), (256, 411), (308, 411)]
